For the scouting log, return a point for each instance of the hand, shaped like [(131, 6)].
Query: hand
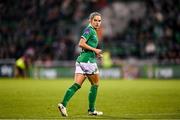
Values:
[(98, 51), (99, 56)]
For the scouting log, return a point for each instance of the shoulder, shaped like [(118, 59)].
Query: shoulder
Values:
[(88, 30)]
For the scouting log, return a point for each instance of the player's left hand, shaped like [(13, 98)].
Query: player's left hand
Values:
[(99, 56)]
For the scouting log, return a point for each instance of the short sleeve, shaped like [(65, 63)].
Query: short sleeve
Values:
[(86, 34)]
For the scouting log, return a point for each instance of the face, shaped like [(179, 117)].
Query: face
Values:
[(96, 21)]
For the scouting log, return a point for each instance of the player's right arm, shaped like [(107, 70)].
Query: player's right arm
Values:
[(84, 45)]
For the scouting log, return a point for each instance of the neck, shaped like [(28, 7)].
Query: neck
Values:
[(92, 26)]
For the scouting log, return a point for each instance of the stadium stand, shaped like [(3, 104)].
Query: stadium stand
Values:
[(49, 29)]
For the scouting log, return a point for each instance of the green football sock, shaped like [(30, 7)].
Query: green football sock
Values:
[(92, 97), (69, 93)]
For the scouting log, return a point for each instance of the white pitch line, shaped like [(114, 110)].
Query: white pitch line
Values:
[(155, 114)]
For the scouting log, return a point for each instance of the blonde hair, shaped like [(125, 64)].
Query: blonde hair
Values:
[(93, 14)]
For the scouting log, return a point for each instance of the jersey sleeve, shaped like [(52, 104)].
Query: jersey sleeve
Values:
[(86, 34)]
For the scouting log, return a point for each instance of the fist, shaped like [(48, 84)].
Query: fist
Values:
[(99, 55)]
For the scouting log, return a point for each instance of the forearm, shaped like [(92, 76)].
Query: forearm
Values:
[(83, 45)]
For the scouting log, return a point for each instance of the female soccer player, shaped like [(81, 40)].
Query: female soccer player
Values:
[(86, 66)]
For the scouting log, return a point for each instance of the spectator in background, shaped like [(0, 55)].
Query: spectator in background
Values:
[(23, 65), (150, 49)]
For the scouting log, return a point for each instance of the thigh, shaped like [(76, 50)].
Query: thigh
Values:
[(94, 79), (79, 78)]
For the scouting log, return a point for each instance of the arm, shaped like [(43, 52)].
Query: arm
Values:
[(82, 44)]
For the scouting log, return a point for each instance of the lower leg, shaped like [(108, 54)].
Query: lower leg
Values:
[(79, 79), (92, 97), (69, 93)]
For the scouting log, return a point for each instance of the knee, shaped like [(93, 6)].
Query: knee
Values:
[(78, 85), (75, 86), (96, 85)]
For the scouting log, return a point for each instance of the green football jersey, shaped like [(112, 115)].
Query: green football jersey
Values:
[(90, 35)]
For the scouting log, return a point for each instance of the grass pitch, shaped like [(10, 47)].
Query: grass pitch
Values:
[(118, 99)]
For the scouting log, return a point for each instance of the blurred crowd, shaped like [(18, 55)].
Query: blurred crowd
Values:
[(44, 29), (149, 30), (50, 29)]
